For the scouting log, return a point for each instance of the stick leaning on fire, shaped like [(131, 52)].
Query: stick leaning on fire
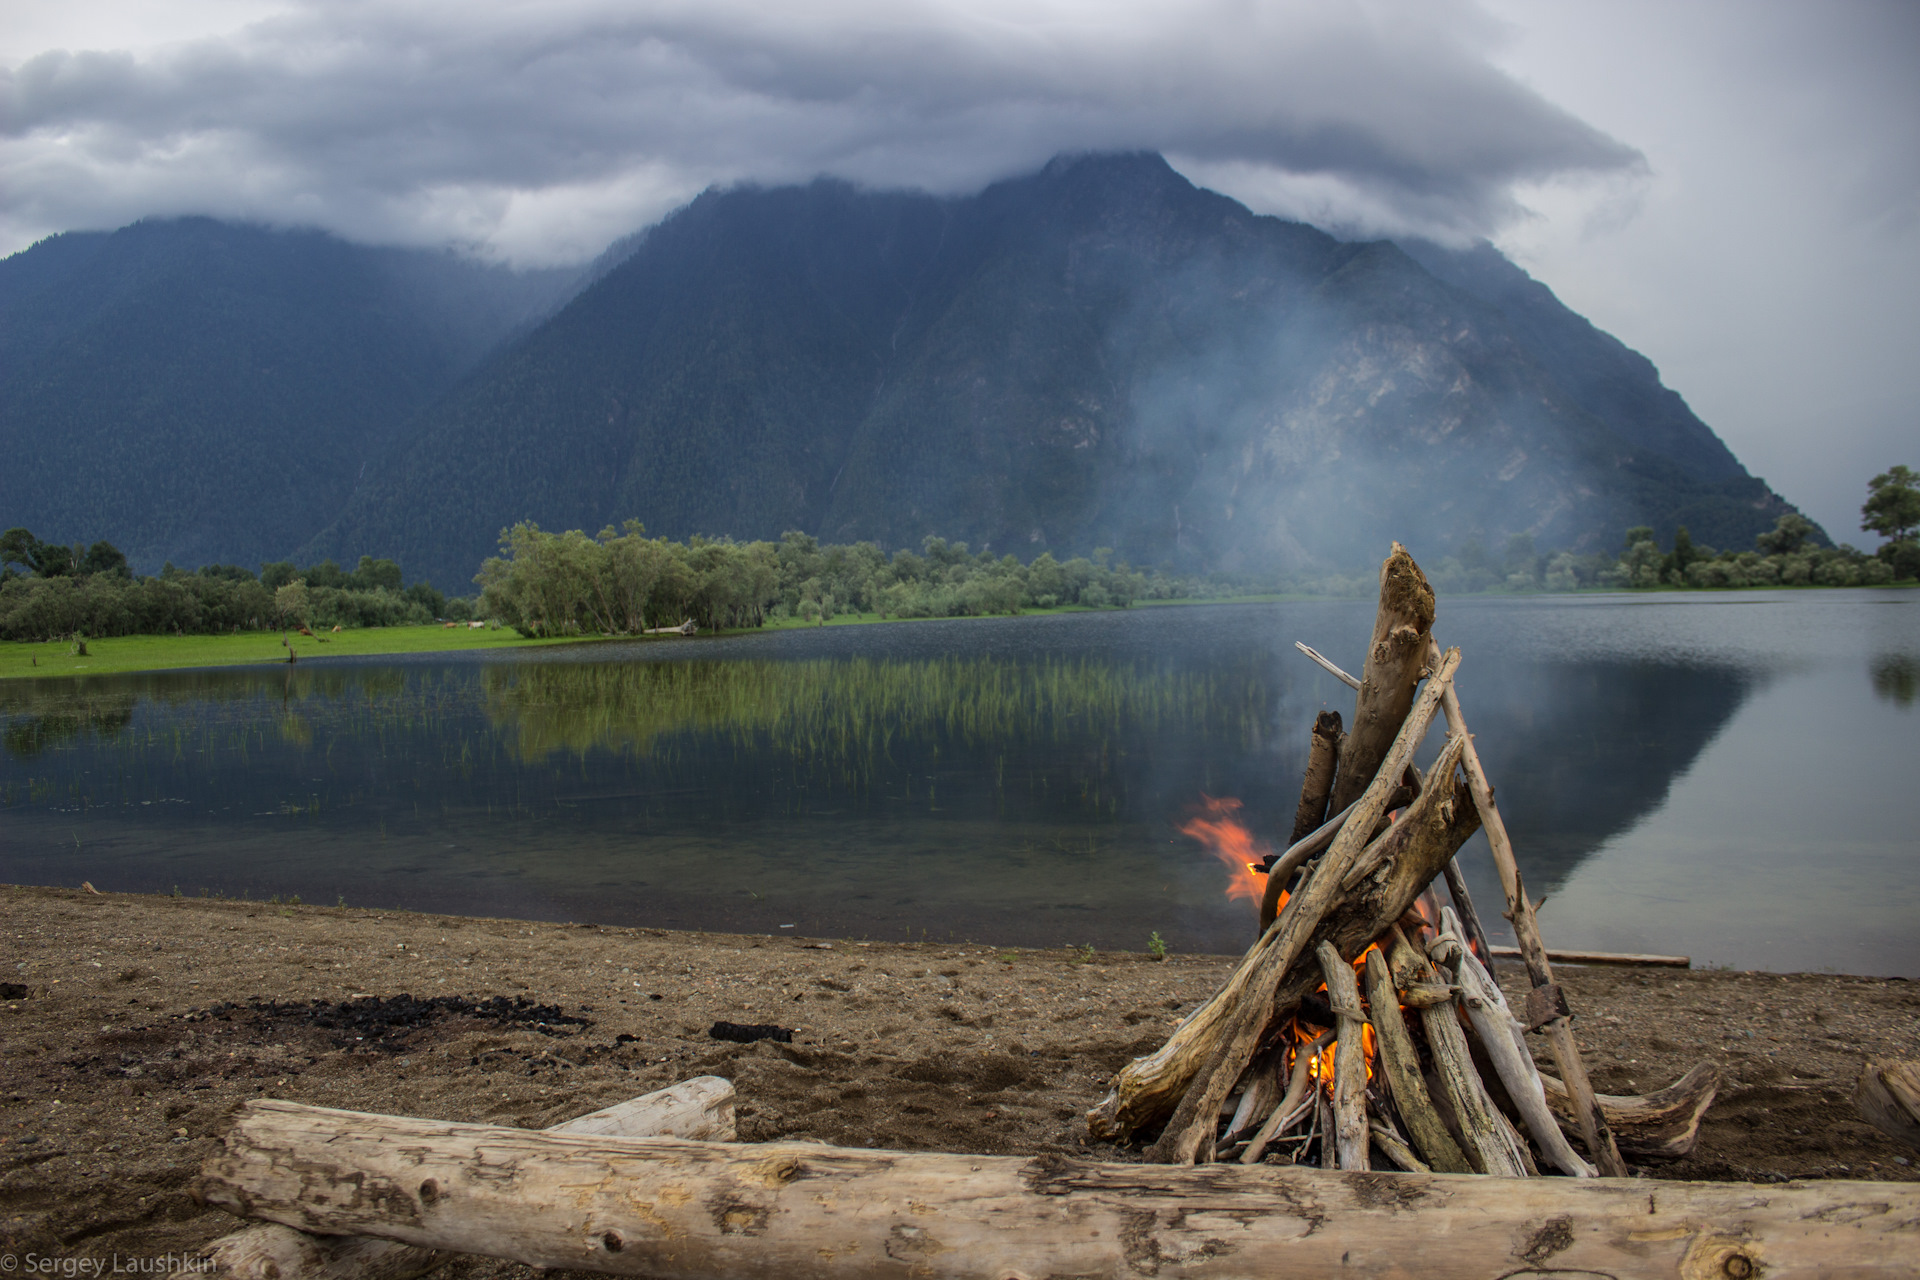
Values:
[(1365, 900)]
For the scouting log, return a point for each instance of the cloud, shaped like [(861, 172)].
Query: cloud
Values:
[(537, 131)]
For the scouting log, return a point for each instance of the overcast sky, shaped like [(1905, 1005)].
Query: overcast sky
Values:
[(1730, 186)]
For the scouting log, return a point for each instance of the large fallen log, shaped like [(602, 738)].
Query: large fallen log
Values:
[(698, 1108), (672, 1209)]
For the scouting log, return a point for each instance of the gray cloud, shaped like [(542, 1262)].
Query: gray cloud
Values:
[(539, 132)]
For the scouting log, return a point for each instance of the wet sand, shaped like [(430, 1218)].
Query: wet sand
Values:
[(143, 1022)]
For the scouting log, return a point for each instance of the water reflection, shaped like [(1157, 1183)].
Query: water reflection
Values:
[(1017, 780), (1896, 677)]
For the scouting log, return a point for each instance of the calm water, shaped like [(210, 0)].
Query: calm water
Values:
[(1724, 775)]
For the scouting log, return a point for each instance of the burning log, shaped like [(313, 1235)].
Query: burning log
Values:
[(678, 1210), (1463, 903), (1293, 1104), (1349, 1062), (1395, 658), (1400, 1063), (1506, 1045), (1546, 1007), (1192, 1073), (1889, 1097), (700, 1108), (1662, 1124)]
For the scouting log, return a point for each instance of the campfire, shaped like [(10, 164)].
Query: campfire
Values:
[(1365, 1027)]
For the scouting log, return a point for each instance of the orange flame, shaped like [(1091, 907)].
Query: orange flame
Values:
[(1229, 841)]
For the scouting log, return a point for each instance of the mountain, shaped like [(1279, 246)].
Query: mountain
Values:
[(1100, 354), (200, 391)]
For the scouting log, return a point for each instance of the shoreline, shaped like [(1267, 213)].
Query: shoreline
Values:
[(147, 1019), (139, 654)]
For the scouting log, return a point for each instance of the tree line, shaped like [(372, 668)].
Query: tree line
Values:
[(621, 582), (48, 590)]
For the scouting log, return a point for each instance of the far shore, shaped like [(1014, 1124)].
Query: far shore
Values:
[(117, 655)]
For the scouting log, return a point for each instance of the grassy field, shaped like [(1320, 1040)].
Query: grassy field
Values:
[(20, 660)]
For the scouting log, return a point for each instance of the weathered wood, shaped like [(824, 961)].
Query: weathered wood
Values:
[(1397, 1151), (1349, 1059), (1662, 1124), (1307, 847), (1480, 1128), (1287, 1110), (700, 1108), (1557, 956), (691, 1211), (1193, 1072), (1506, 1046), (1463, 903), (1327, 665), (1601, 1147), (1888, 1095), (1323, 758), (1265, 1084), (1395, 655), (1400, 1064)]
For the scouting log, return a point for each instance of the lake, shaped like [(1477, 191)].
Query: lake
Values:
[(1721, 774)]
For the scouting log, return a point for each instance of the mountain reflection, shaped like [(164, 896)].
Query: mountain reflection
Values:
[(1580, 753)]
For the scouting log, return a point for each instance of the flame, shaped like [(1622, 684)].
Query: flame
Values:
[(1229, 841)]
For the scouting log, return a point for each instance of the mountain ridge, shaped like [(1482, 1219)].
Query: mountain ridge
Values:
[(1096, 354)]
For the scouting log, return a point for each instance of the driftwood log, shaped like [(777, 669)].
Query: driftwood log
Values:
[(1396, 656), (1889, 1097), (1557, 956), (1323, 759), (1663, 1124), (1400, 1064), (1349, 1060), (700, 1108), (671, 1210), (1490, 1145), (1547, 1008), (1191, 1074)]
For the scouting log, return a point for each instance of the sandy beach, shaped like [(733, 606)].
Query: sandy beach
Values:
[(133, 1026)]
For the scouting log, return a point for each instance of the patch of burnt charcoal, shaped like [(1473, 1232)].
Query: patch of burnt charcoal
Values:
[(390, 1022)]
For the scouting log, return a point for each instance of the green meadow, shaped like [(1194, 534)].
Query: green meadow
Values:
[(28, 659)]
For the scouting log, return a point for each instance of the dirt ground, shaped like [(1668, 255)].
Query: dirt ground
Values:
[(132, 1027)]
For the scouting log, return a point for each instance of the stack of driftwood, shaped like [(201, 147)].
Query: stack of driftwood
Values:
[(657, 1187), (1430, 1068)]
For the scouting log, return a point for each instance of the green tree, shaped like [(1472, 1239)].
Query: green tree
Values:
[(1892, 509), (1788, 534), (293, 600)]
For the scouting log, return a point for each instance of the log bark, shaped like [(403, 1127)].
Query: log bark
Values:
[(1400, 1063), (1662, 1124), (1506, 1045), (700, 1108), (1481, 1129), (1526, 930), (1323, 759), (1889, 1097), (677, 1210), (1395, 655), (1349, 1060), (1190, 1075)]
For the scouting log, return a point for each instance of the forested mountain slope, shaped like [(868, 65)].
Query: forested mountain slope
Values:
[(1100, 354), (199, 391)]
